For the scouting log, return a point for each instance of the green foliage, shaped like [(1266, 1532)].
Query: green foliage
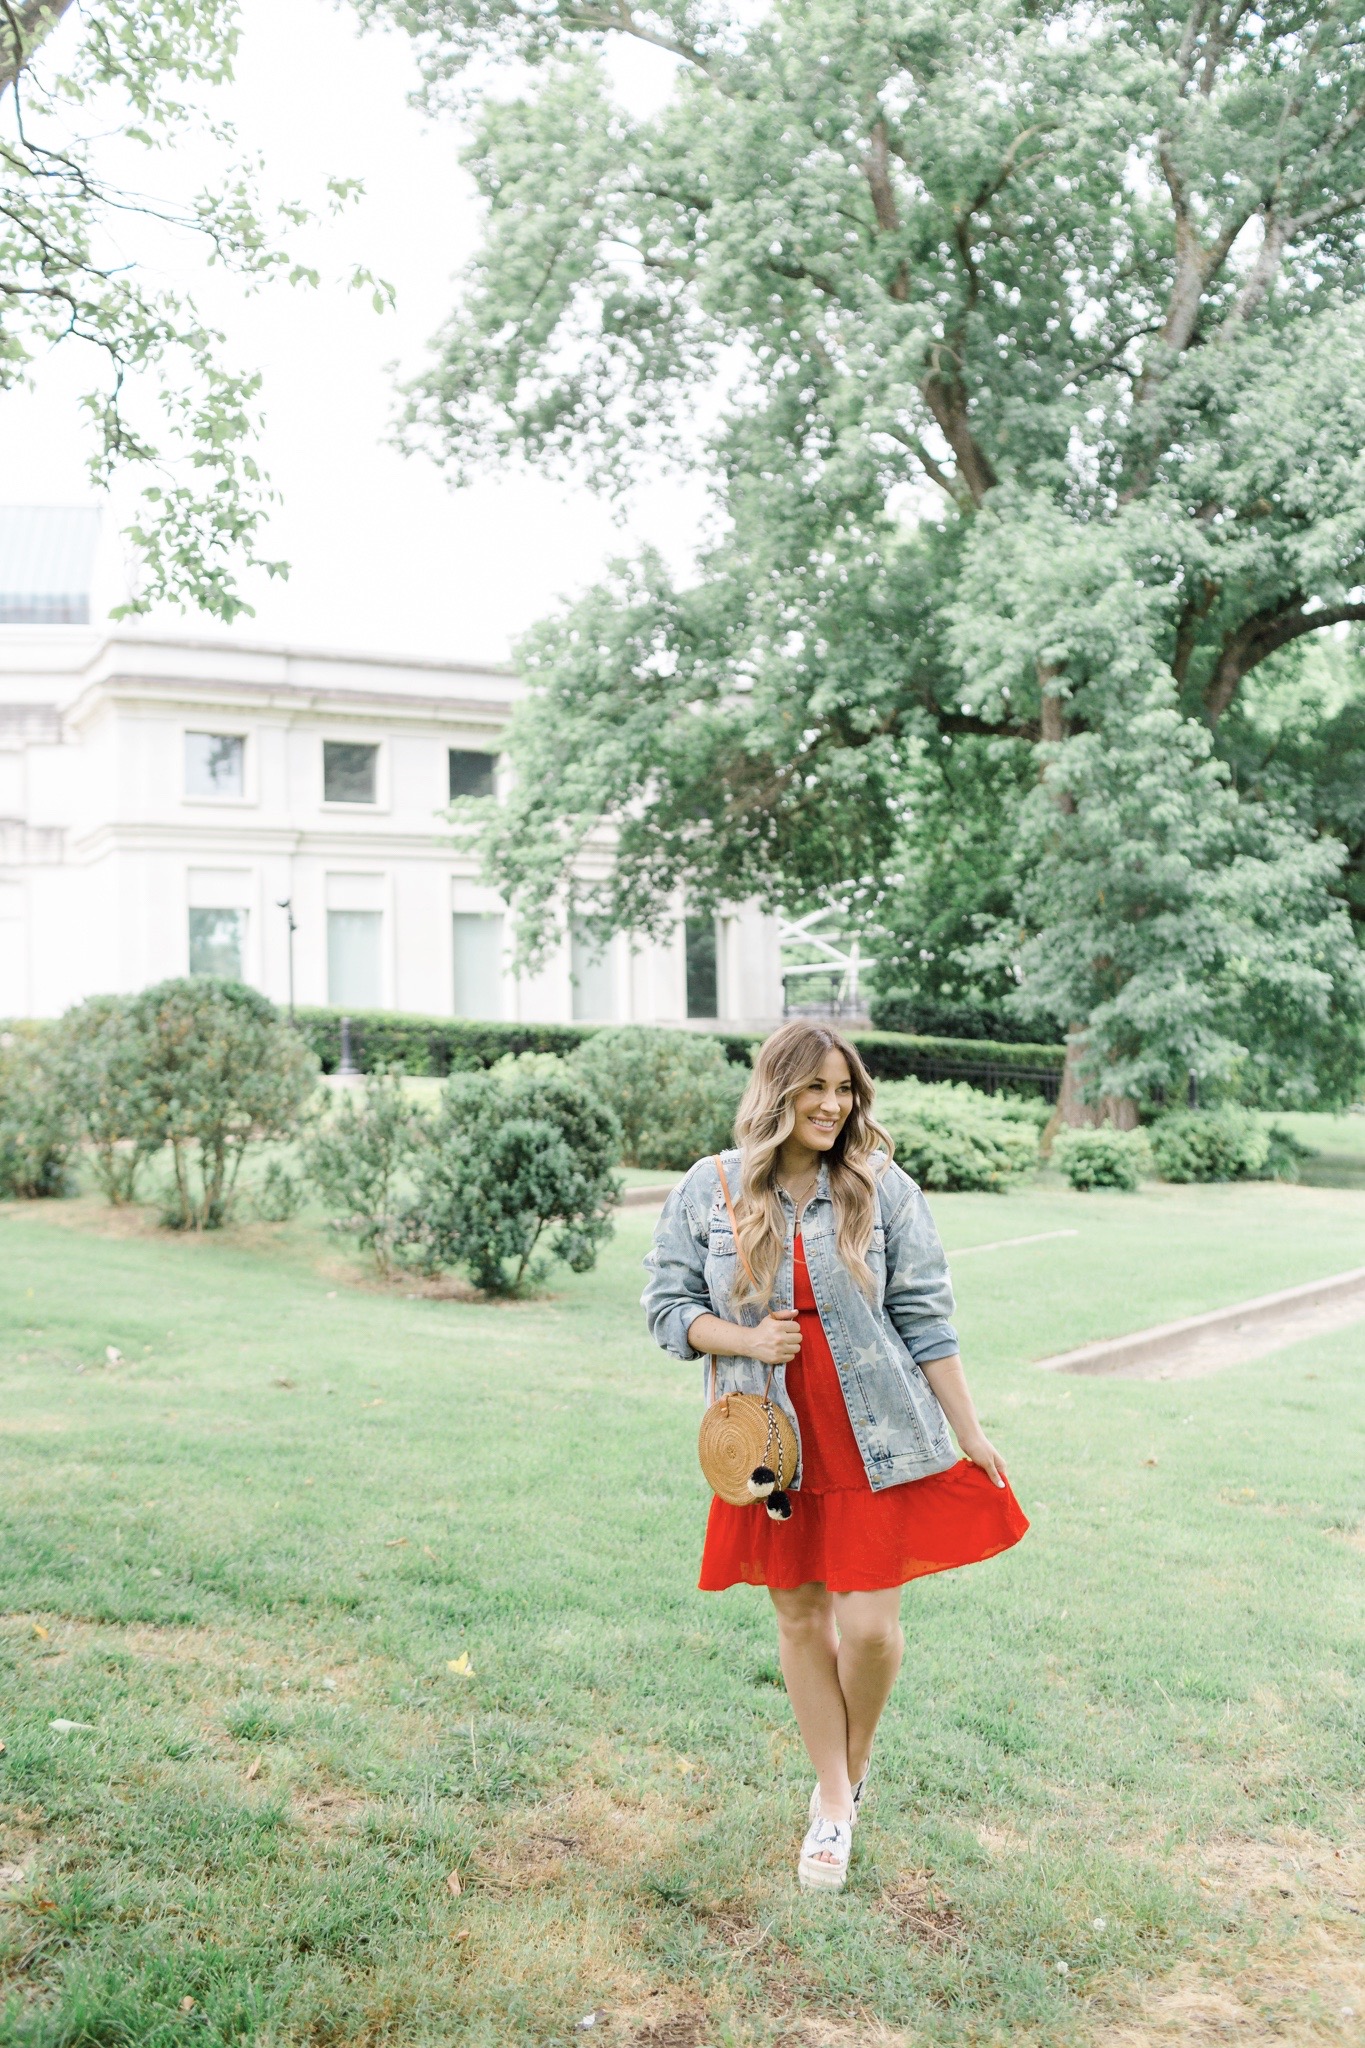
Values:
[(69, 271), (918, 1011), (511, 1156), (674, 1093), (429, 1045), (1101, 1157), (960, 253), (279, 1195), (360, 1160), (1221, 1144), (1190, 931), (104, 1056), (949, 1136), (223, 1070), (37, 1131)]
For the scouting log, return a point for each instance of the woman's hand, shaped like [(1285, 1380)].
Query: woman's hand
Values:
[(774, 1341), (777, 1339), (982, 1452)]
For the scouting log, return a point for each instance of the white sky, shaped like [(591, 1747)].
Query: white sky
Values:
[(385, 557)]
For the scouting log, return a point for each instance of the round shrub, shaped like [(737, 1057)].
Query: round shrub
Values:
[(1210, 1144), (37, 1131), (674, 1093), (1101, 1158), (950, 1137), (513, 1161)]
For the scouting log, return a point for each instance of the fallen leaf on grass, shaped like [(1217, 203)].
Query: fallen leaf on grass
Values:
[(396, 1543), (453, 1885), (460, 1934), (282, 1383), (460, 1665), (40, 1631), (378, 1402), (427, 1551), (10, 1875), (253, 1769), (187, 2005), (112, 1355), (65, 1727)]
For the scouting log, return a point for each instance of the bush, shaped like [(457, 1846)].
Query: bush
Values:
[(511, 1155), (223, 1070), (906, 1011), (674, 1093), (1101, 1157), (1211, 1144), (37, 1132), (457, 1045), (1285, 1155), (279, 1197), (360, 1162), (951, 1137), (105, 1057), (984, 1063)]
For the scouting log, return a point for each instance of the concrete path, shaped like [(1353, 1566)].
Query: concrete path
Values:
[(1197, 1345)]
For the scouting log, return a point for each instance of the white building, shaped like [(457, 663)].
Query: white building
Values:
[(161, 799)]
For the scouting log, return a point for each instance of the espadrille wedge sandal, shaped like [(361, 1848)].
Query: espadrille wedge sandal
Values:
[(825, 1839)]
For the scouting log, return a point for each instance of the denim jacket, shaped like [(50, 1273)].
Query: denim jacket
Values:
[(879, 1347)]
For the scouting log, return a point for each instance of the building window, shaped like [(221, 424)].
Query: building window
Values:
[(215, 764), (354, 977), (594, 980), (470, 774), (218, 943), (478, 965), (350, 774), (700, 938)]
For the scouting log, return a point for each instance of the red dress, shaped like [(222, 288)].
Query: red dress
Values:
[(842, 1534)]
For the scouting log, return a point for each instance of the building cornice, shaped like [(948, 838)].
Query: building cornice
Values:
[(243, 841), (292, 700)]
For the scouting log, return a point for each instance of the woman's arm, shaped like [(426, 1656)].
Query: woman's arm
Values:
[(949, 1382), (774, 1341)]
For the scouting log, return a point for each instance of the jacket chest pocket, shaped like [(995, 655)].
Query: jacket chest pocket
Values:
[(720, 1263), (876, 1250)]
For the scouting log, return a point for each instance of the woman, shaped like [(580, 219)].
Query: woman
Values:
[(808, 1260)]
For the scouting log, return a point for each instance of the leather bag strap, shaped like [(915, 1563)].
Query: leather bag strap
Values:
[(743, 1260)]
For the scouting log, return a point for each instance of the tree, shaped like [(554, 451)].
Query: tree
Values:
[(134, 67), (1048, 416), (224, 1071)]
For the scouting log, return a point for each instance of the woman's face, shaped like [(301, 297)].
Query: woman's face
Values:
[(822, 1106)]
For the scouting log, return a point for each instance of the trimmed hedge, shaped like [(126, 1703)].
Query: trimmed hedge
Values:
[(987, 1063), (912, 1015), (449, 1045)]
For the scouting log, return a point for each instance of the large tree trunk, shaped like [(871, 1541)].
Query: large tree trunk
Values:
[(1073, 1111)]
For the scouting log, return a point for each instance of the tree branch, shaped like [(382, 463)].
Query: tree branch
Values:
[(1263, 634)]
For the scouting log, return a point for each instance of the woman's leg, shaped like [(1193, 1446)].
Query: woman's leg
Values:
[(809, 1653), (871, 1645)]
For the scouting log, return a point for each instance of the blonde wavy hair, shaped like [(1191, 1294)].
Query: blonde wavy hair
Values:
[(787, 1063)]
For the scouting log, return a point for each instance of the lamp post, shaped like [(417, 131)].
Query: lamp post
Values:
[(286, 904)]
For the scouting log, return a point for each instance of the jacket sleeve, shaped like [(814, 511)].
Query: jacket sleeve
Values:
[(919, 1294), (676, 1292)]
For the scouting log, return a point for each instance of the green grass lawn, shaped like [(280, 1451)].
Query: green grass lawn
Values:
[(249, 1554)]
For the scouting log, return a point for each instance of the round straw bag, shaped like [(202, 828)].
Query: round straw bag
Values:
[(746, 1445)]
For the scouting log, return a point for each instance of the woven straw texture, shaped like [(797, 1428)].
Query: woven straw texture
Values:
[(735, 1438)]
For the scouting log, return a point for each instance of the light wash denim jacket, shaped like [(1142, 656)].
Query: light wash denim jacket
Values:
[(878, 1347)]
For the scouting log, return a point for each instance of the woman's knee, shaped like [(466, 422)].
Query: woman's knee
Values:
[(804, 1615), (871, 1630)]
